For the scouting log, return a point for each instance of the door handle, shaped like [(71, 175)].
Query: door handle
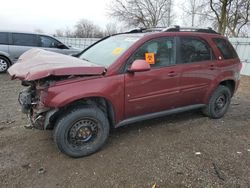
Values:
[(212, 67), (172, 74)]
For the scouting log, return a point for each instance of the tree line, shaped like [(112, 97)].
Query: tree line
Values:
[(228, 17)]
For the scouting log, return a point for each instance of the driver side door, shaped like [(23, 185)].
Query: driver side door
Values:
[(155, 90)]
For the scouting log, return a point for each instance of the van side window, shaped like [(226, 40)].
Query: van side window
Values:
[(194, 50), (3, 38), (225, 48), (21, 39), (48, 42)]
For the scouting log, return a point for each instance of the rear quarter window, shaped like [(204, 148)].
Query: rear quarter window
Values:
[(226, 49), (3, 38)]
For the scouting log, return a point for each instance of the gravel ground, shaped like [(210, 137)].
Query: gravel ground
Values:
[(184, 150)]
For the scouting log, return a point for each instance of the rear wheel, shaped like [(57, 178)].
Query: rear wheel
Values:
[(218, 103), (81, 132), (4, 64)]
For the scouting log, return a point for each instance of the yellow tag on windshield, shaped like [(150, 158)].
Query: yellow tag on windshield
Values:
[(117, 51)]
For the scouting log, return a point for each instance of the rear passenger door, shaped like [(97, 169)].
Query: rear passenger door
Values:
[(198, 69), (20, 43)]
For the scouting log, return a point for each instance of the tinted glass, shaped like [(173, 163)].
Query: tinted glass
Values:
[(158, 52), (109, 50), (194, 50), (3, 38), (48, 42), (225, 48), (20, 39)]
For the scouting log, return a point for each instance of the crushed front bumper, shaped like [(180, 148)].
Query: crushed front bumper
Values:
[(38, 115)]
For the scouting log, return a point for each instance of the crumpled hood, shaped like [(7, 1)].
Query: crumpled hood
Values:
[(37, 63)]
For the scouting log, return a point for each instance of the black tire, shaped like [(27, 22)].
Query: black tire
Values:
[(72, 130), (4, 64), (218, 103)]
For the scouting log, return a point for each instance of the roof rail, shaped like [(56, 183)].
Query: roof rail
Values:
[(144, 30), (171, 28), (175, 28), (136, 30), (195, 29)]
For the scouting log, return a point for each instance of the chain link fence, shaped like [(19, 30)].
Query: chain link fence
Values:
[(81, 43)]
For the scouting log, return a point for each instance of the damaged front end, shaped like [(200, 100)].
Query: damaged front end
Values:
[(31, 101), (40, 69)]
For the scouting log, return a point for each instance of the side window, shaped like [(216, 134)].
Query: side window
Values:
[(4, 38), (48, 42), (21, 39), (157, 52), (225, 48), (194, 50)]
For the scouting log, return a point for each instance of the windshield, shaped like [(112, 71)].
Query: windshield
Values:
[(109, 50)]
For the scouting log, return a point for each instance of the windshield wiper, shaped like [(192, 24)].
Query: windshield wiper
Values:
[(85, 59)]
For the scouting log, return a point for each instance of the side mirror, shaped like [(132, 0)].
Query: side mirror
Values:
[(139, 66), (75, 55), (61, 46)]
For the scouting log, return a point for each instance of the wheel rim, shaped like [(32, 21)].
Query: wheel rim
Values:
[(82, 132), (220, 103), (3, 65)]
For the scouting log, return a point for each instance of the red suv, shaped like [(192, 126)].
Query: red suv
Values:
[(125, 78)]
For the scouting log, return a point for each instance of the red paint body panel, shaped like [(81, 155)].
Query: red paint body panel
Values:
[(110, 87), (151, 91), (37, 63)]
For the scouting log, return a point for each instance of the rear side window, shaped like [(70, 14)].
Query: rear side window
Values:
[(21, 39), (225, 48), (3, 38), (194, 50)]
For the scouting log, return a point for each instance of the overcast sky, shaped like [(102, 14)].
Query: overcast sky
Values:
[(49, 15)]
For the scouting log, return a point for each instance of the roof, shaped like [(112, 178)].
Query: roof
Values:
[(24, 32)]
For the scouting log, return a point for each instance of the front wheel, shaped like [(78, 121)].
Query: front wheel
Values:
[(218, 103), (4, 64), (81, 132)]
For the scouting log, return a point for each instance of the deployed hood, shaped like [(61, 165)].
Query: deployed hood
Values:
[(37, 63)]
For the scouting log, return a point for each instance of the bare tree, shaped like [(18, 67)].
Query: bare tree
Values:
[(145, 13), (59, 33), (111, 29), (231, 15), (193, 9), (86, 29), (38, 31), (238, 16), (69, 33)]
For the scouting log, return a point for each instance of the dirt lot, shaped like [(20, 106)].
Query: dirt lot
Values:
[(161, 151)]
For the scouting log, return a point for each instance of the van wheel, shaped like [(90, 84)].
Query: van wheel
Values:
[(218, 103), (81, 131), (4, 64)]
